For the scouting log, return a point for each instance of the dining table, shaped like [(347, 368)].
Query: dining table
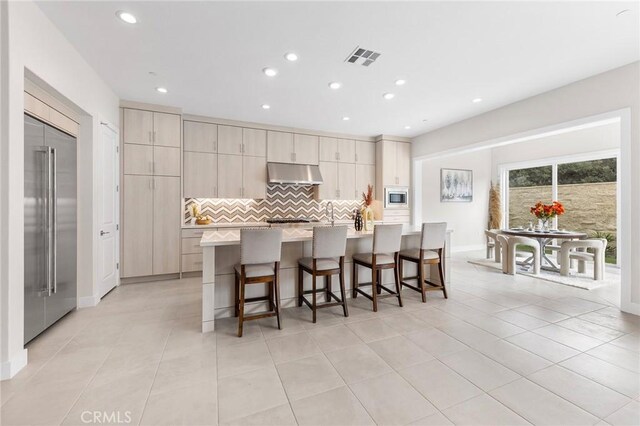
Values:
[(545, 238)]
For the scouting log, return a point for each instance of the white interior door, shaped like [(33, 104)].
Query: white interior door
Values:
[(108, 231)]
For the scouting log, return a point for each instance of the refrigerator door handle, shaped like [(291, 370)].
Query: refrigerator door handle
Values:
[(48, 220), (54, 214)]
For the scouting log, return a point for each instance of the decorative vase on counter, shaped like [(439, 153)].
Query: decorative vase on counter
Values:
[(367, 214), (357, 221)]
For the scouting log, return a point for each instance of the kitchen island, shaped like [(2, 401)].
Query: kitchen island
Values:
[(221, 251)]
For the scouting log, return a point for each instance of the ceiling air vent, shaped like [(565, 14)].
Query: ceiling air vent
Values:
[(362, 56)]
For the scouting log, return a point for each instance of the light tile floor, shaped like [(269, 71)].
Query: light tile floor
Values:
[(501, 350)]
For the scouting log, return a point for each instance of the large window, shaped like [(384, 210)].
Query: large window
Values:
[(588, 190)]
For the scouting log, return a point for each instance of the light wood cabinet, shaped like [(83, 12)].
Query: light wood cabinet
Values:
[(166, 129), (365, 175), (365, 152), (346, 151), (346, 181), (388, 163), (254, 177), (305, 149), (166, 161), (137, 226), (328, 149), (328, 190), (229, 176), (200, 137), (254, 142), (394, 163), (403, 163), (138, 159), (279, 147), (166, 224), (138, 127), (200, 175), (229, 140)]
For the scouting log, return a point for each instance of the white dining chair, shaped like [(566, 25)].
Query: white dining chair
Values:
[(577, 250)]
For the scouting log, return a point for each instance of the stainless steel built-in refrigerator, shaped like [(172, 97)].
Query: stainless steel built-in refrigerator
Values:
[(49, 226)]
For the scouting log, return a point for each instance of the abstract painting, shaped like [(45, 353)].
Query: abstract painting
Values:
[(456, 185)]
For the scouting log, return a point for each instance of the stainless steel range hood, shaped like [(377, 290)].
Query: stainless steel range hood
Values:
[(294, 174)]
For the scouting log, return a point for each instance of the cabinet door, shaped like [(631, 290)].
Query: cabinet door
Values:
[(201, 137), (365, 152), (279, 147), (403, 163), (328, 190), (346, 151), (254, 142), (365, 175), (200, 177), (166, 225), (389, 176), (166, 128), (347, 181), (305, 148), (137, 127), (254, 177), (229, 176), (137, 226), (166, 161), (229, 140), (328, 149), (138, 159)]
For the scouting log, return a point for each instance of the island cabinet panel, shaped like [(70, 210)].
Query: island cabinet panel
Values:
[(229, 140), (229, 176), (137, 126), (305, 149), (365, 152), (137, 226), (200, 175), (280, 147), (254, 177), (166, 225), (200, 137), (254, 142)]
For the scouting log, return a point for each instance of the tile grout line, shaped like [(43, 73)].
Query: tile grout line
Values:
[(155, 374)]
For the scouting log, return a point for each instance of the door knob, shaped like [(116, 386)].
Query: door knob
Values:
[(103, 233)]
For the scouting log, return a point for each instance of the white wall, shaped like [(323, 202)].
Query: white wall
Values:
[(35, 44), (468, 220), (615, 92)]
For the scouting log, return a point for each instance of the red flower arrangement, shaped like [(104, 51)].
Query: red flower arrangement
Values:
[(547, 211)]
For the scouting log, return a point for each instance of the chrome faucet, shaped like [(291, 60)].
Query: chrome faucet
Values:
[(326, 212)]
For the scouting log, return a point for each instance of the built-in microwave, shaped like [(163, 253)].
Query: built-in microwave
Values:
[(396, 197)]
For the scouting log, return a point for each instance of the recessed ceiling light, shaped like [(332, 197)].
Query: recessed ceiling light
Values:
[(126, 17), (266, 106), (335, 85), (407, 127), (388, 96), (270, 72), (162, 89), (424, 120), (476, 100), (346, 118), (622, 12), (400, 82), (292, 57)]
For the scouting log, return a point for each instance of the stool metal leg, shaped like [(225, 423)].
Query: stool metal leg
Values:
[(354, 280), (241, 307), (374, 286), (342, 290)]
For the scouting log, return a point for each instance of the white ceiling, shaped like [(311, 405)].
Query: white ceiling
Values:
[(210, 55)]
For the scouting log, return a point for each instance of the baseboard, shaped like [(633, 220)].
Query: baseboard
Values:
[(630, 308), (88, 301), (10, 368), (473, 247)]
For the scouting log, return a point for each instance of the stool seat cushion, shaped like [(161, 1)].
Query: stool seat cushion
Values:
[(381, 259), (260, 270), (323, 264), (415, 254)]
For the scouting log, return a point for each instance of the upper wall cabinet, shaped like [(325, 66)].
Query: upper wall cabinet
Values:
[(305, 149), (328, 149), (229, 140), (200, 137), (151, 128), (365, 152), (254, 142), (346, 151), (393, 163), (280, 147)]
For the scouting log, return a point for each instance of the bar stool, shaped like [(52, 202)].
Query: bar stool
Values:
[(328, 249), (386, 245), (431, 252), (259, 264)]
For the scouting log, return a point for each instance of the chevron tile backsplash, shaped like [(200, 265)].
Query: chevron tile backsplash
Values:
[(281, 201)]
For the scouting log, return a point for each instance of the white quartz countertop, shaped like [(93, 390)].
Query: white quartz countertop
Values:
[(232, 237), (261, 224)]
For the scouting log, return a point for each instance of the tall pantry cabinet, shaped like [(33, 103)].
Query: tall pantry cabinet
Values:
[(151, 199)]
